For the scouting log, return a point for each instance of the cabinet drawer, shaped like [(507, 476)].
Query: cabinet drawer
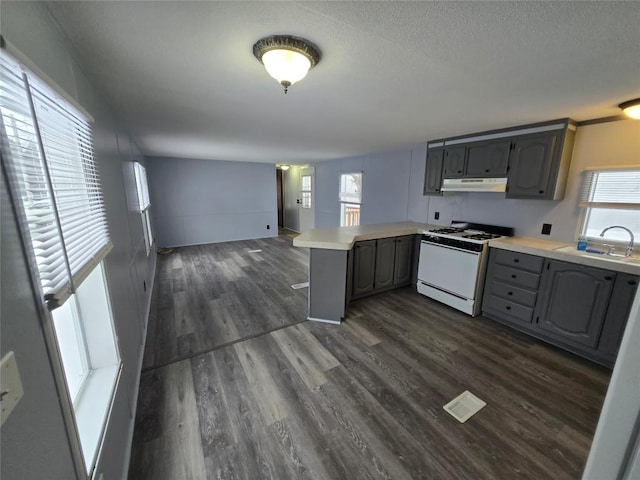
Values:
[(519, 260), (516, 276), (515, 294), (509, 309)]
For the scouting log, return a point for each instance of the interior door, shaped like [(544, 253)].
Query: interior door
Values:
[(307, 198)]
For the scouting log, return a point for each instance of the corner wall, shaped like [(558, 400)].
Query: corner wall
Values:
[(208, 201), (33, 437)]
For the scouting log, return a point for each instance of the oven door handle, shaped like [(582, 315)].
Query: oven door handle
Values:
[(450, 247)]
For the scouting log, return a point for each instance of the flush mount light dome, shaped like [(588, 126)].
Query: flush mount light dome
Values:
[(286, 58), (631, 108)]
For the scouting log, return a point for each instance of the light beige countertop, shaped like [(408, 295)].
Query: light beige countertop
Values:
[(567, 252), (343, 238)]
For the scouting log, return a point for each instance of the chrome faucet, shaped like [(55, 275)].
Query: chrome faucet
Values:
[(612, 248)]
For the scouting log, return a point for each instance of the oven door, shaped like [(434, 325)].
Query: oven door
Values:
[(448, 268)]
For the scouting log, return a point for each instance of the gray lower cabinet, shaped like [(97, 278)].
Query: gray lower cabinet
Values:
[(573, 302), (364, 265), (385, 259), (579, 308), (382, 264), (433, 171), (403, 265)]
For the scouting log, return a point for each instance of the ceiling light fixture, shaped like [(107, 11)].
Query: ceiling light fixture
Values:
[(286, 58), (284, 168), (631, 108)]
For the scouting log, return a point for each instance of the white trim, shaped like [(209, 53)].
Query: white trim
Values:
[(136, 386), (512, 133), (621, 168), (46, 79), (435, 145), (324, 320)]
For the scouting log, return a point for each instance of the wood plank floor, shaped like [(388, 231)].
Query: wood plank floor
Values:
[(358, 401), (206, 296)]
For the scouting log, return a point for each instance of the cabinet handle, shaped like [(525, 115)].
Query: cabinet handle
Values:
[(459, 171), (508, 307), (540, 191), (608, 277), (513, 276), (486, 170), (631, 282), (516, 260), (509, 293)]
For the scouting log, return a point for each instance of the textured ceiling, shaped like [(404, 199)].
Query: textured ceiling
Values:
[(182, 77)]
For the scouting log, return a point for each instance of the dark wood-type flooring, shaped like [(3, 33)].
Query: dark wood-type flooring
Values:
[(206, 296), (358, 401)]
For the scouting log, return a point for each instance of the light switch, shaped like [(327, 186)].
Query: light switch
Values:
[(10, 385)]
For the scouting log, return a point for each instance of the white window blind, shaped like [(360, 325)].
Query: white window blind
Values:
[(618, 188), (142, 186), (47, 148)]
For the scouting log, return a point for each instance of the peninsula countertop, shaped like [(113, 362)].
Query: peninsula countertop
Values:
[(343, 238)]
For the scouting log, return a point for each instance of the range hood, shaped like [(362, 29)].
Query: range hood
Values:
[(474, 185)]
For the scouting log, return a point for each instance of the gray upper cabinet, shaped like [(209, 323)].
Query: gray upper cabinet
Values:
[(534, 158), (574, 302), (487, 159), (453, 166), (433, 171), (385, 259), (403, 265), (530, 166), (364, 258)]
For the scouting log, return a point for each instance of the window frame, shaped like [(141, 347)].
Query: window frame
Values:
[(88, 407), (345, 203), (587, 208)]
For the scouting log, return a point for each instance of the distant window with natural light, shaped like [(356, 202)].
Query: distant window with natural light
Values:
[(611, 197), (350, 199), (306, 191), (55, 189), (144, 203)]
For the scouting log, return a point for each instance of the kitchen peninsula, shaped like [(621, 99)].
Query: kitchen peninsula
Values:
[(331, 262)]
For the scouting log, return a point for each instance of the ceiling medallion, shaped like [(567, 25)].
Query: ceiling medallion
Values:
[(286, 58)]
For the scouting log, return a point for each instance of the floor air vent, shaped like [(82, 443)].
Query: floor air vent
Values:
[(464, 406)]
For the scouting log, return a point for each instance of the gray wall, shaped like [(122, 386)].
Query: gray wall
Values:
[(208, 201), (33, 438), (393, 184), (385, 187)]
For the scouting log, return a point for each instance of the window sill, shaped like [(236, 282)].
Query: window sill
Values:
[(92, 410)]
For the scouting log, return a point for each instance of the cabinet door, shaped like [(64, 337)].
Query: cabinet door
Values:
[(433, 172), (364, 257), (530, 164), (453, 166), (385, 258), (573, 302), (624, 291), (488, 159), (402, 271)]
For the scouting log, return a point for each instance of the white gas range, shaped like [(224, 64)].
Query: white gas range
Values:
[(453, 261)]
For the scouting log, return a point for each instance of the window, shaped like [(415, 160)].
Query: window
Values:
[(350, 199), (611, 197), (55, 189), (143, 204), (306, 191)]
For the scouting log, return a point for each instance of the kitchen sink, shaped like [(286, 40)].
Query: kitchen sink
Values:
[(572, 250)]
